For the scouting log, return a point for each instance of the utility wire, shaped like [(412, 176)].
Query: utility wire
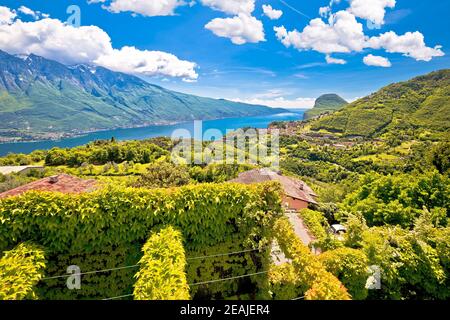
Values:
[(201, 283), (91, 272), (299, 298), (119, 297), (136, 265), (225, 254), (226, 279)]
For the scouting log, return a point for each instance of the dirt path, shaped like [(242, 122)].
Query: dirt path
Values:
[(300, 228), (302, 233)]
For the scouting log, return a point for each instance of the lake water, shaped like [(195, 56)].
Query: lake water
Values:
[(151, 131)]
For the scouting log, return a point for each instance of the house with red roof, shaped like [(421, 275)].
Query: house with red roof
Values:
[(297, 194), (63, 183)]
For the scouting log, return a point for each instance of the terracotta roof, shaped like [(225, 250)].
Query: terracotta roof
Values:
[(61, 183), (292, 187)]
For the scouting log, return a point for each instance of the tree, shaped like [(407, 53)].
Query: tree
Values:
[(440, 157), (164, 175), (351, 267)]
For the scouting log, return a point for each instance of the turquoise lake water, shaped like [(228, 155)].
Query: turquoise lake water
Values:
[(149, 132)]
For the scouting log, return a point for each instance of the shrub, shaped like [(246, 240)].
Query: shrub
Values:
[(162, 268), (20, 270), (164, 175), (351, 267), (102, 229), (320, 284)]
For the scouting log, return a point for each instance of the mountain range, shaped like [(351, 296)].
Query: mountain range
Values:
[(420, 104), (41, 98), (326, 103)]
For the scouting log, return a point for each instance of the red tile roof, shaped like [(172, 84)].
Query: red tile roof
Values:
[(292, 187), (61, 183)]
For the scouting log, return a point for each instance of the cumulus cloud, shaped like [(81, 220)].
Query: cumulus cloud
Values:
[(272, 13), (371, 10), (58, 41), (331, 60), (341, 34), (240, 29), (132, 60), (7, 15), (411, 44), (231, 6), (377, 61), (149, 8)]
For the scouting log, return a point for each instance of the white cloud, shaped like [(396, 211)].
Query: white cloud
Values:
[(28, 12), (341, 34), (280, 102), (149, 8), (231, 6), (371, 10), (377, 61), (272, 13), (7, 15), (411, 44), (56, 40), (331, 60), (240, 29), (132, 60)]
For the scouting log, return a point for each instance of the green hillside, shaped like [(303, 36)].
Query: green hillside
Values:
[(326, 103), (419, 105)]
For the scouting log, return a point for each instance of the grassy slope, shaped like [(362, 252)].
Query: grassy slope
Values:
[(423, 102)]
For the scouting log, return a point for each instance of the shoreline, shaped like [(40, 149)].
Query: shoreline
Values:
[(68, 136)]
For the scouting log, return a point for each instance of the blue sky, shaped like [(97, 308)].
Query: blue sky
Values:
[(280, 69)]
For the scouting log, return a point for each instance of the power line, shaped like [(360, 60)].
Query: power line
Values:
[(225, 254), (119, 297), (226, 279), (91, 272), (201, 283), (299, 298), (137, 265)]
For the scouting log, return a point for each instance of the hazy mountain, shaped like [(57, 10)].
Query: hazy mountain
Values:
[(422, 103), (40, 97), (326, 103)]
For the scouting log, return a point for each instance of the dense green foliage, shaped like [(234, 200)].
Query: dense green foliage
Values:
[(412, 267), (400, 199), (106, 228), (164, 174), (102, 152), (162, 268), (416, 106), (20, 270), (306, 269), (351, 267)]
